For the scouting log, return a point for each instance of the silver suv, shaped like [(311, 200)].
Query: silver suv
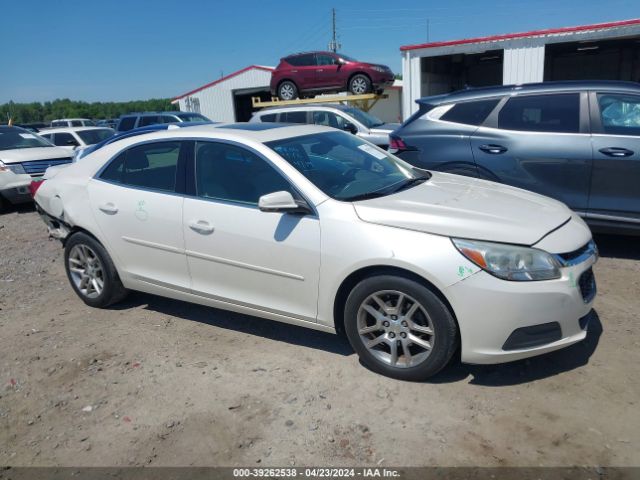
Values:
[(342, 117)]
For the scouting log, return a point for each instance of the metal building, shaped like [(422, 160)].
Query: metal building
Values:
[(605, 51), (228, 99)]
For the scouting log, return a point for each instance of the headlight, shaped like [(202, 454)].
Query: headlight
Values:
[(380, 69), (510, 262), (16, 168)]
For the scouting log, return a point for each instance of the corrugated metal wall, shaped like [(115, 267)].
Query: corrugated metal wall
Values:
[(216, 102), (524, 63)]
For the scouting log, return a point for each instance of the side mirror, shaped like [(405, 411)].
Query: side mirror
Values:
[(350, 127), (282, 202)]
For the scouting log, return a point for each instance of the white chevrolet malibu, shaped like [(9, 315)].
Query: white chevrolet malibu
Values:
[(315, 227)]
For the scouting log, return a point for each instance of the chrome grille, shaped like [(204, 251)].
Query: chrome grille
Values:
[(37, 168)]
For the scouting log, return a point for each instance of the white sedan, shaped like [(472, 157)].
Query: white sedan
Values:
[(76, 137), (316, 227)]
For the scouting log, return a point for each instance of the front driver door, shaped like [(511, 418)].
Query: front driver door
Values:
[(239, 254), (139, 214), (615, 183), (539, 143)]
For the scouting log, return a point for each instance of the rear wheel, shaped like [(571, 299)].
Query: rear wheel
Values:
[(91, 271), (287, 90), (360, 84), (400, 328)]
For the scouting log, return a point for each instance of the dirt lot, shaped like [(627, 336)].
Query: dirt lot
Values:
[(160, 382)]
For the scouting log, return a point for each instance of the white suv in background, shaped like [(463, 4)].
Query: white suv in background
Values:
[(338, 116), (76, 137), (72, 122), (24, 156)]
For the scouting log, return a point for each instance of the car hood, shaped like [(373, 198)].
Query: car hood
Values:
[(384, 128), (39, 153), (457, 206)]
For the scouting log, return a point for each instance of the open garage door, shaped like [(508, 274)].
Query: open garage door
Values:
[(242, 101), (594, 60), (446, 73)]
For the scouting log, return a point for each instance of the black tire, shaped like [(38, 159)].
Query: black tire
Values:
[(285, 87), (360, 84), (4, 204), (444, 340), (112, 290)]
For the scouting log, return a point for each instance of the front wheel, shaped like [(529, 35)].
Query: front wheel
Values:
[(91, 271), (400, 328), (360, 84)]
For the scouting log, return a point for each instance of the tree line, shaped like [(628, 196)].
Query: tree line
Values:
[(65, 108)]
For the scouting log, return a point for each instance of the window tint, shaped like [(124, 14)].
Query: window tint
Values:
[(227, 172), (620, 114), (169, 119), (470, 113), (542, 113), (293, 117), (76, 123), (329, 119), (58, 124), (302, 60), (149, 120), (324, 59), (64, 140), (271, 117), (91, 137), (151, 165), (46, 136), (126, 123)]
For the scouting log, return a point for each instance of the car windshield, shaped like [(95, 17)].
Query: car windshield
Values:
[(14, 138), (364, 118), (93, 136), (193, 117), (345, 167)]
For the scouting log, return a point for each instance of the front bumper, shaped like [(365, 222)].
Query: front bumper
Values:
[(15, 187), (489, 310)]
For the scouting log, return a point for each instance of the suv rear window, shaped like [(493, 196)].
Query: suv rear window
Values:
[(126, 123), (470, 113), (555, 113), (293, 117), (270, 117), (301, 60)]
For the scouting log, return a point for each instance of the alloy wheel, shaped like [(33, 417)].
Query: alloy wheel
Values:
[(359, 86), (287, 91), (395, 328), (86, 271)]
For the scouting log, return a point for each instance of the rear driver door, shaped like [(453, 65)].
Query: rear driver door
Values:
[(541, 143)]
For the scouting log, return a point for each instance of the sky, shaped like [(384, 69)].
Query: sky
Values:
[(116, 50)]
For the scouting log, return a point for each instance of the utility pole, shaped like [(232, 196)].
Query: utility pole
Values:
[(334, 46), (427, 29)]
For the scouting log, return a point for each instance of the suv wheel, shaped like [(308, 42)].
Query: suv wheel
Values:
[(400, 328), (287, 90), (359, 84), (91, 271)]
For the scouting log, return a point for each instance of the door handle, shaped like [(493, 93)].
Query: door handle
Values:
[(108, 208), (616, 152), (201, 226), (319, 69), (493, 149)]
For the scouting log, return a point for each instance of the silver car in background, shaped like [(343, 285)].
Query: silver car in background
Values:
[(342, 117), (575, 141)]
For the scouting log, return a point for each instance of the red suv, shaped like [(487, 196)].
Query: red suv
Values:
[(318, 72)]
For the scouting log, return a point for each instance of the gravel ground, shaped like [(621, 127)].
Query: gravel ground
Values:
[(160, 382)]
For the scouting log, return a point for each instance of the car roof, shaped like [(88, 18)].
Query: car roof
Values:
[(542, 87), (167, 112), (70, 119), (309, 53), (71, 129)]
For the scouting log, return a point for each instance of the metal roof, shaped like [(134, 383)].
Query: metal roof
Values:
[(222, 79), (533, 33)]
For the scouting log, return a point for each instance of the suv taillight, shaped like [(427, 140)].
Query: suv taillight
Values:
[(396, 144)]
